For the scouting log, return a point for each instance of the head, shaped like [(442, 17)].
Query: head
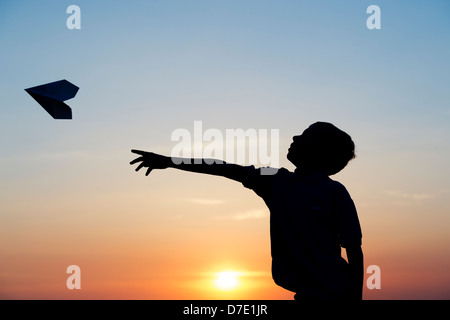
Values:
[(321, 147)]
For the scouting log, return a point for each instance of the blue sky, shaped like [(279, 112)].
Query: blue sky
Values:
[(149, 67), (303, 58)]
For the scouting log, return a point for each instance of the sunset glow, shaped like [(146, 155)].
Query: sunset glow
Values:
[(227, 280)]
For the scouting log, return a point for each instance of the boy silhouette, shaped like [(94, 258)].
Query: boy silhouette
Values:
[(311, 215)]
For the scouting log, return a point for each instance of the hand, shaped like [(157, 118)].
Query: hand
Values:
[(150, 160)]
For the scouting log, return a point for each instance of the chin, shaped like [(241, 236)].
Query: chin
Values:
[(292, 158), (288, 155)]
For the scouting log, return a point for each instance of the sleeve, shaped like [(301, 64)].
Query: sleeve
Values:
[(349, 229), (260, 180)]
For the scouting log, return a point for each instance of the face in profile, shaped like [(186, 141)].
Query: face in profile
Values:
[(299, 147)]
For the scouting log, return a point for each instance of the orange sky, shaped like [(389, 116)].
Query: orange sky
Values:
[(144, 245)]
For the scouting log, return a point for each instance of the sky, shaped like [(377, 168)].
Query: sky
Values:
[(148, 68)]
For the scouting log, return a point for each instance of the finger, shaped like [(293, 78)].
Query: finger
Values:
[(137, 160), (140, 166), (138, 151), (148, 171)]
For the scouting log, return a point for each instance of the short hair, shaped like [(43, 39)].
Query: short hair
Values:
[(328, 148)]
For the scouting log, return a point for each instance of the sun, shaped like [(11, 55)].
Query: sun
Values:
[(227, 280)]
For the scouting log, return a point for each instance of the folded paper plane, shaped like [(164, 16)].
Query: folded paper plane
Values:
[(51, 96)]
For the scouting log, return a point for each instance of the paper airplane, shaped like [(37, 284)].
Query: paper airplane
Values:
[(51, 96)]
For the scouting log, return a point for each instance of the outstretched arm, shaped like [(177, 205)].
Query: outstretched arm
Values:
[(152, 161)]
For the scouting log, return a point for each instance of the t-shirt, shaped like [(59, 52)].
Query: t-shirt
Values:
[(311, 218)]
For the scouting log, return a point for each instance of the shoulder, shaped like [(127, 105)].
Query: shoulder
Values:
[(283, 172), (337, 185), (339, 189), (262, 180)]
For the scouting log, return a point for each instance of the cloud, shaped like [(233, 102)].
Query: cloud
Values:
[(239, 273), (205, 201), (250, 214), (408, 198)]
